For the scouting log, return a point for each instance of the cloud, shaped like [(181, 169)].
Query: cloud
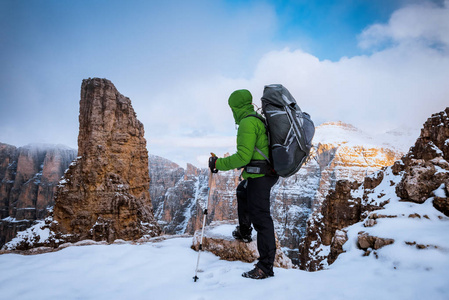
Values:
[(399, 85), (153, 52), (179, 66), (424, 23)]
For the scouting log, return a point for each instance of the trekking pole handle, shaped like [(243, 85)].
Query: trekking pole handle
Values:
[(212, 160)]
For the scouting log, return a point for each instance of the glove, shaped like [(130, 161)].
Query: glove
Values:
[(212, 161)]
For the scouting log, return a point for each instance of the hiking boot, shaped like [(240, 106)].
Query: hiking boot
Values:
[(257, 273), (245, 237)]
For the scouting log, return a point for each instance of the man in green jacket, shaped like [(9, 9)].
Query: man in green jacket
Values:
[(253, 193)]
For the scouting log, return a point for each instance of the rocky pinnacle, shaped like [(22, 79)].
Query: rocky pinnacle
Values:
[(105, 193)]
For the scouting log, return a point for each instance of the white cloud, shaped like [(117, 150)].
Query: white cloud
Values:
[(397, 86), (423, 23), (179, 78)]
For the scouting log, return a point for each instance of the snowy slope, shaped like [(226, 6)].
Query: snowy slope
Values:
[(164, 270), (420, 232)]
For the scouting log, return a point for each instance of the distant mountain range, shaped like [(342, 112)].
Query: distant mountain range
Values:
[(341, 151), (29, 175)]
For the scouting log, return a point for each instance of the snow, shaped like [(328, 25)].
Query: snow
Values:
[(439, 192), (435, 148), (440, 170), (345, 134), (164, 270), (12, 220), (36, 232), (62, 181), (200, 198), (223, 230), (340, 133)]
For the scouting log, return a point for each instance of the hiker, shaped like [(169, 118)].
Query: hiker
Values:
[(253, 193)]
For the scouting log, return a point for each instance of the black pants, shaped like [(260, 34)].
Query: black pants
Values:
[(253, 200)]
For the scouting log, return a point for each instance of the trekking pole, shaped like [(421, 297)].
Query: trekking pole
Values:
[(200, 248)]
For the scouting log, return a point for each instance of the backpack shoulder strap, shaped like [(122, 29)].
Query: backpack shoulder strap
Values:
[(259, 117), (265, 124)]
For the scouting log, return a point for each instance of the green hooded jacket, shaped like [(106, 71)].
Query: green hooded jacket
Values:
[(251, 133)]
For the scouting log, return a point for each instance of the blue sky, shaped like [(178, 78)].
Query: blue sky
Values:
[(372, 63)]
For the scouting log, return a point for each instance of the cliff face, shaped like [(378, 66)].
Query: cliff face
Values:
[(28, 179), (180, 196), (421, 176), (345, 152), (105, 193)]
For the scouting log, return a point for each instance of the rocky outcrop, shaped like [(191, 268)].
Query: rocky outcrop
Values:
[(218, 240), (419, 171), (28, 179), (325, 235), (426, 164), (105, 193), (422, 175)]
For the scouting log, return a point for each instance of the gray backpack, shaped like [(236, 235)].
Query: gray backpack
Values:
[(290, 131)]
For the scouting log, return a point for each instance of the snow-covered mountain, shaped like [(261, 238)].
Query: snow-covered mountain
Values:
[(340, 151)]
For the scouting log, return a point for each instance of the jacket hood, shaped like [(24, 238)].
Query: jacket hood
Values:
[(240, 102)]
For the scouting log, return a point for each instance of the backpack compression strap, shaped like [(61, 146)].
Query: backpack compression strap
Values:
[(261, 153)]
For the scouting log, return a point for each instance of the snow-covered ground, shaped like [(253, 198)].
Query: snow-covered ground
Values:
[(165, 270)]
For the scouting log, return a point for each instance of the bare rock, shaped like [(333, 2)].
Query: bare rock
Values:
[(422, 178), (432, 140), (371, 182), (417, 183), (365, 241), (340, 238), (380, 242), (340, 210), (105, 194), (218, 240), (398, 167), (376, 215), (442, 204)]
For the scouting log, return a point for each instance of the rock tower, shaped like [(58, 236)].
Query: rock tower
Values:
[(105, 193)]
